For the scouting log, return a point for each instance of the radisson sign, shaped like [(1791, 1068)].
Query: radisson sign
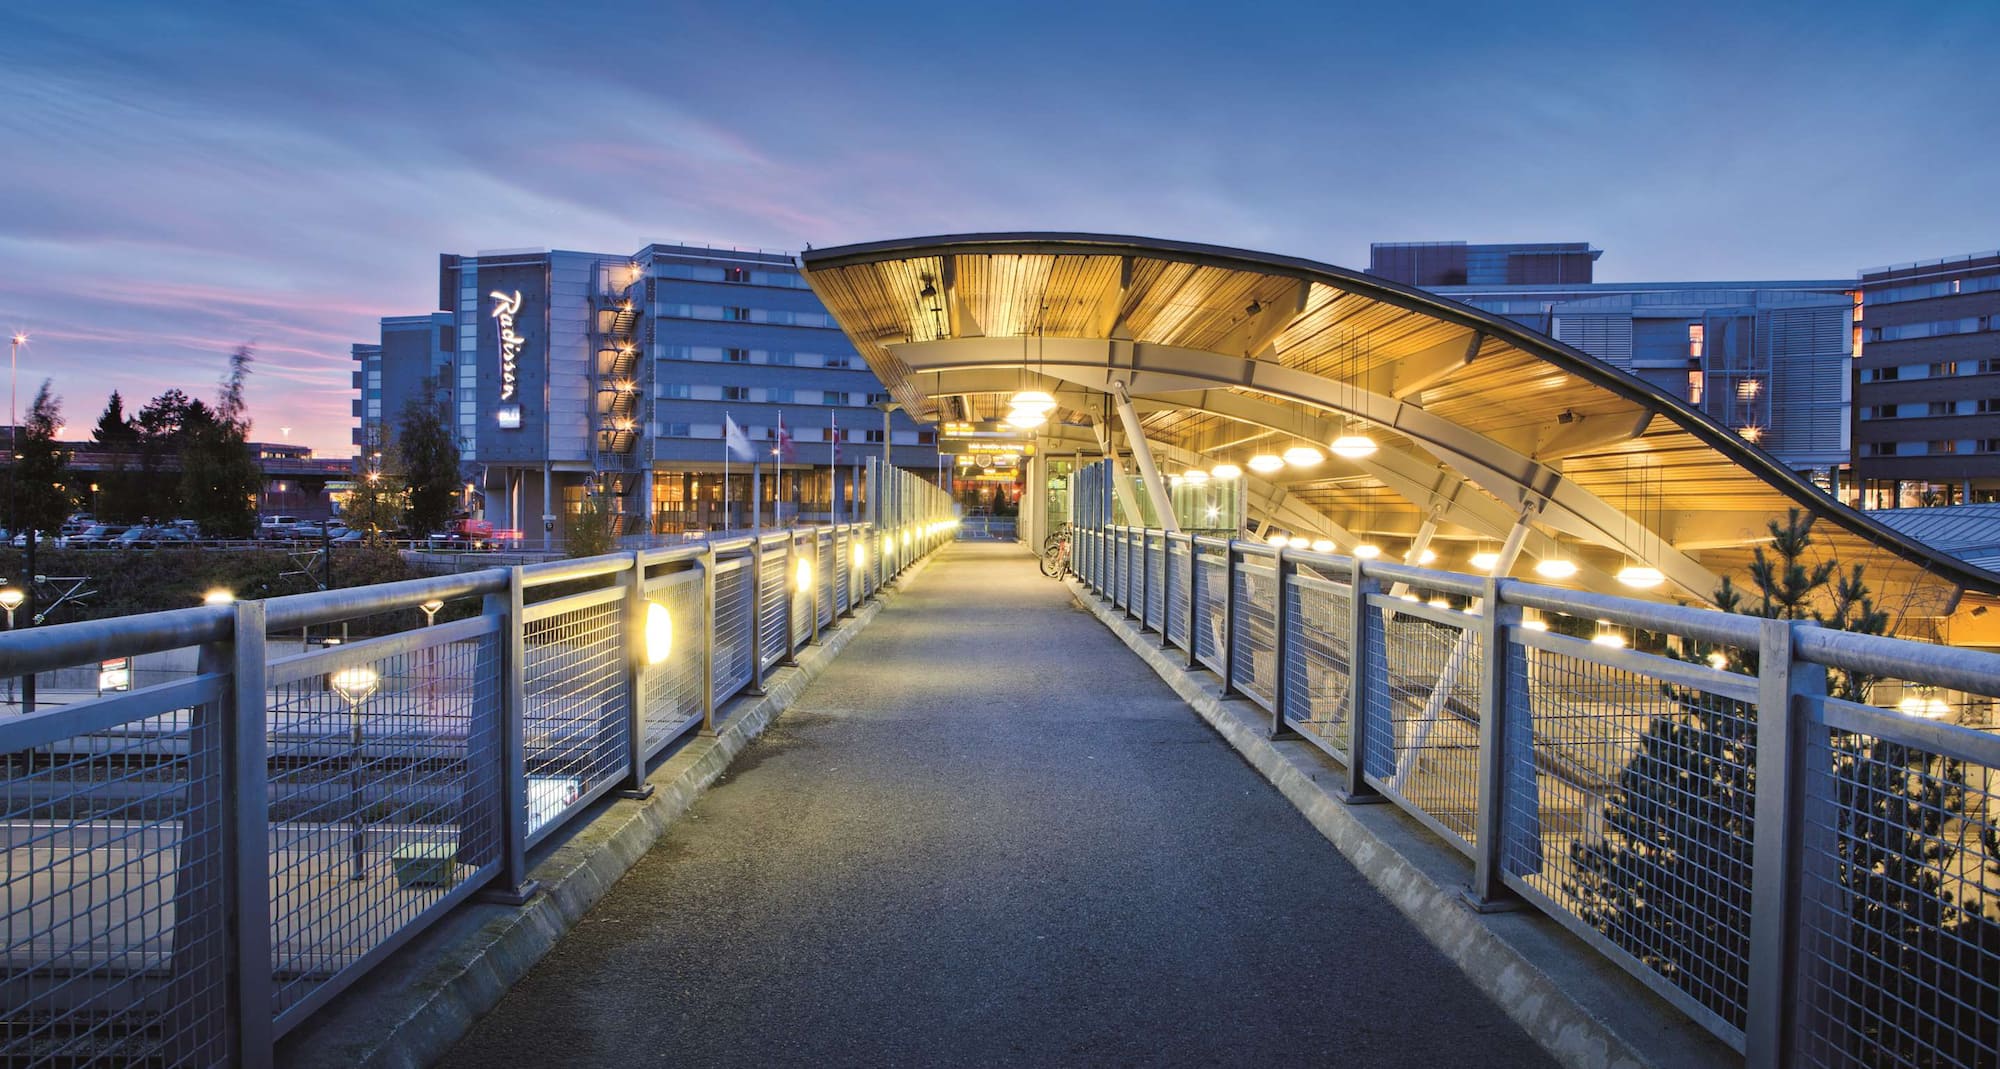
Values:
[(505, 307)]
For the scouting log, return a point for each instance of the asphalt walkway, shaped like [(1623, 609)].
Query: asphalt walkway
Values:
[(989, 835)]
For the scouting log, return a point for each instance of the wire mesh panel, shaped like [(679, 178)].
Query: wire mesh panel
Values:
[(1899, 949), (1254, 645), (1633, 812), (1317, 669), (574, 722), (114, 885), (734, 602), (823, 576), (843, 579), (771, 602), (673, 686), (385, 797), (1210, 624), (1120, 568), (1426, 752), (1177, 593), (1155, 583)]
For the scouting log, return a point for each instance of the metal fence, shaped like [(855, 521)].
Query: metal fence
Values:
[(194, 867), (1814, 879)]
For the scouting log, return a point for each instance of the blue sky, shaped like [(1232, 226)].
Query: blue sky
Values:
[(181, 178)]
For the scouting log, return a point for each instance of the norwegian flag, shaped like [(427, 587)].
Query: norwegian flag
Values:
[(833, 435), (786, 453)]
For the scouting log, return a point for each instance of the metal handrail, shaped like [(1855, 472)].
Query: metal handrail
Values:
[(1567, 732), (422, 764)]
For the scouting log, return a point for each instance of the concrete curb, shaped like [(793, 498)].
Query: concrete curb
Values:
[(1586, 1012), (410, 1010)]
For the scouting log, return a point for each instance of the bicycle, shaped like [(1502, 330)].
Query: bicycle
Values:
[(1055, 554)]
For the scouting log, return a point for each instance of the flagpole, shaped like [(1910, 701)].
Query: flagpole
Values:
[(725, 468), (778, 453), (832, 465)]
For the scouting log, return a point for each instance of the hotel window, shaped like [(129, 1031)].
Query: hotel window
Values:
[(778, 395), (1947, 446), (736, 356), (735, 274), (736, 315), (839, 360), (782, 359), (873, 436), (833, 397), (1695, 331), (679, 430), (676, 391), (736, 393), (1989, 405), (1694, 387), (1948, 367), (926, 437)]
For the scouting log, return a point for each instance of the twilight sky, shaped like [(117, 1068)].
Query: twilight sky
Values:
[(184, 177)]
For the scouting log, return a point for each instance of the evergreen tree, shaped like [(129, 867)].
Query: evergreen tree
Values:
[(114, 432), (428, 450), (1668, 878), (219, 478), (121, 488), (593, 529), (43, 496)]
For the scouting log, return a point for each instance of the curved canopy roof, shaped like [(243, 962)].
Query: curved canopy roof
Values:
[(1478, 420)]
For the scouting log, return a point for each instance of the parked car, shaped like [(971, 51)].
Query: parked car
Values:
[(99, 533), (134, 537), (351, 535), (173, 535), (308, 529), (43, 538), (276, 526)]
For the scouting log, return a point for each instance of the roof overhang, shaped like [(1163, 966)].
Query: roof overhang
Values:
[(1480, 422)]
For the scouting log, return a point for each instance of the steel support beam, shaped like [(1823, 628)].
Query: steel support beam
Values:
[(1135, 435)]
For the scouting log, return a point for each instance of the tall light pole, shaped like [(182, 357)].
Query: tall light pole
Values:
[(14, 390)]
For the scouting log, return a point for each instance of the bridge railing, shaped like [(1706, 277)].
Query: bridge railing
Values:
[(194, 867), (1699, 796)]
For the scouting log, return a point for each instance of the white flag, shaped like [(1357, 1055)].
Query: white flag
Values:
[(739, 443)]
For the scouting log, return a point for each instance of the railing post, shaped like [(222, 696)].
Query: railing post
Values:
[(708, 641), (1784, 685), (1499, 707), (1228, 650), (757, 621), (512, 886), (1194, 602), (635, 681), (1284, 568), (247, 853), (790, 588), (1364, 644)]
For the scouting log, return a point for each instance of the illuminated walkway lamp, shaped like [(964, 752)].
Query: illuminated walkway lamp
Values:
[(355, 686)]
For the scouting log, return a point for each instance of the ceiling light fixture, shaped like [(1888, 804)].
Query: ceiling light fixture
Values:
[(1266, 463)]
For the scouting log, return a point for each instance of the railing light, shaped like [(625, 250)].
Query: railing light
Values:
[(802, 575), (659, 632), (860, 555)]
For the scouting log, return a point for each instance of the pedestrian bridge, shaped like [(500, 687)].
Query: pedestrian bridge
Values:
[(991, 829)]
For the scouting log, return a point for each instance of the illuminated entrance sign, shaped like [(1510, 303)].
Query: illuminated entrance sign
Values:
[(505, 307)]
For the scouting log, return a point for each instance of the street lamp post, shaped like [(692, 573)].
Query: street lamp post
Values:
[(355, 686), (10, 599), (14, 390)]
